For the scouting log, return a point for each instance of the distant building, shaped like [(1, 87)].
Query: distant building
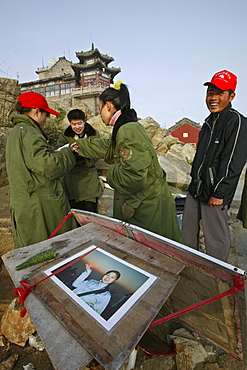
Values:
[(185, 130), (74, 84)]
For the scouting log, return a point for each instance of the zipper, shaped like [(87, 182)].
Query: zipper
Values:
[(210, 138), (211, 175)]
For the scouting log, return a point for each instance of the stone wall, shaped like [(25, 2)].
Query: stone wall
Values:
[(9, 91), (4, 132)]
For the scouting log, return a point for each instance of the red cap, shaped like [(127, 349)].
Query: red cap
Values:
[(224, 80), (32, 99)]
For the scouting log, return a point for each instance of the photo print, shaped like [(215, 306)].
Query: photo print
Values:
[(102, 284)]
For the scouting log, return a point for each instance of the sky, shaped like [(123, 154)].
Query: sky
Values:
[(166, 49)]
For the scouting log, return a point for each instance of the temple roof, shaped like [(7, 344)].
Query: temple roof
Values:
[(96, 65), (184, 121), (93, 53)]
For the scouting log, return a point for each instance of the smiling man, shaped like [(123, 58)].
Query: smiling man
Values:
[(220, 156), (81, 184)]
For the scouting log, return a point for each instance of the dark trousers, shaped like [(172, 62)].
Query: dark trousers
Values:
[(214, 224), (84, 205)]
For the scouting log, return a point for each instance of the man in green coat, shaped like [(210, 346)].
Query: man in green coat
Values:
[(38, 203), (81, 183)]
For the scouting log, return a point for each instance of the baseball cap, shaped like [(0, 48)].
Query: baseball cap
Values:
[(32, 99), (224, 80)]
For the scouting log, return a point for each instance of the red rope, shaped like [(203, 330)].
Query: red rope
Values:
[(239, 284), (22, 293), (60, 225)]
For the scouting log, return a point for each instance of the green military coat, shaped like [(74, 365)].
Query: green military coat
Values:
[(37, 200), (137, 178), (82, 181)]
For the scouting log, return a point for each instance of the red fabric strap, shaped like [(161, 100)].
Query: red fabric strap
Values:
[(60, 225), (239, 283)]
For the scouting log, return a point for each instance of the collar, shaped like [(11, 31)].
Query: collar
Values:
[(115, 117), (129, 115), (218, 114)]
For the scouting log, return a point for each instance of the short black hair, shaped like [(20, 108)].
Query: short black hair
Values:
[(76, 114)]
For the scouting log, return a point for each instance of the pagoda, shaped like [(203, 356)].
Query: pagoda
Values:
[(75, 85), (93, 70)]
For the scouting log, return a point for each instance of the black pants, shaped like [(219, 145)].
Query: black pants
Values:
[(84, 205)]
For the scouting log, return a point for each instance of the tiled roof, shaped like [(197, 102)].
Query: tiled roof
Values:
[(184, 121)]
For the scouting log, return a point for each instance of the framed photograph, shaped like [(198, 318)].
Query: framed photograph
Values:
[(103, 285)]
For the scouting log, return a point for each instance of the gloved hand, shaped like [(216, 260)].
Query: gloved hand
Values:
[(127, 211)]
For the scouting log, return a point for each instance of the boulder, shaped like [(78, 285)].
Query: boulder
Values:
[(99, 125), (177, 170), (15, 328), (183, 151), (158, 137), (166, 144), (189, 349), (150, 125)]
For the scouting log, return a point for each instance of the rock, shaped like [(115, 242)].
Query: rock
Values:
[(29, 367), (154, 363), (9, 363), (150, 125), (105, 203), (227, 362), (166, 144), (35, 341), (183, 151), (158, 137), (4, 132), (9, 91), (177, 170), (15, 328), (189, 350), (3, 341), (99, 125), (213, 366)]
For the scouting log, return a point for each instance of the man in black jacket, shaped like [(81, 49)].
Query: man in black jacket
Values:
[(219, 159)]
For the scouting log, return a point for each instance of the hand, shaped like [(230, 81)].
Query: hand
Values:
[(214, 202), (74, 147), (127, 211), (88, 266)]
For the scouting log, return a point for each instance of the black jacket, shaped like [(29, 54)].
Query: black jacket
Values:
[(221, 154)]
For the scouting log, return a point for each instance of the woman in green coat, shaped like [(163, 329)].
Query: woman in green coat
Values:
[(142, 196), (38, 203), (81, 183)]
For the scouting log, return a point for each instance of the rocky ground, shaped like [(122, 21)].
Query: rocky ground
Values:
[(16, 357)]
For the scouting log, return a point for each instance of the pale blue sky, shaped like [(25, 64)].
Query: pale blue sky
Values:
[(166, 49)]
